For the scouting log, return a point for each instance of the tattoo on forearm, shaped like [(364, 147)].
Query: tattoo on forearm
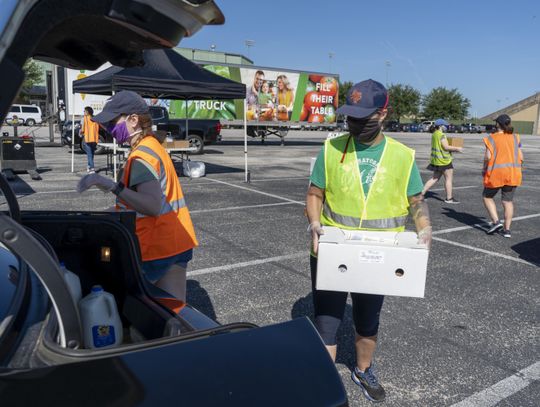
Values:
[(419, 209)]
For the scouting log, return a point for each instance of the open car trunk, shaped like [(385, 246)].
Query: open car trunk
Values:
[(102, 249)]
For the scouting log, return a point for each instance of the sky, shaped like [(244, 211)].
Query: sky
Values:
[(488, 49)]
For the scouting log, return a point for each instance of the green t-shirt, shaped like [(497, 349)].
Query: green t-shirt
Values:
[(368, 160), (141, 172)]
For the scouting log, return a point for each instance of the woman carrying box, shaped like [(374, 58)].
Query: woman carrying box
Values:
[(441, 160)]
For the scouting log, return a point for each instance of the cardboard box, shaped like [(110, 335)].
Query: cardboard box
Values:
[(455, 141), (385, 263), (175, 144)]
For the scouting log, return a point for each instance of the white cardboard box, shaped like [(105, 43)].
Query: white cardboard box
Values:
[(386, 263)]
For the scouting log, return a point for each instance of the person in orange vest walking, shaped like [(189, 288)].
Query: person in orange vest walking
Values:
[(149, 186), (90, 131), (502, 171)]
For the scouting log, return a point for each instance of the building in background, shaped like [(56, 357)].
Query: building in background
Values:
[(525, 115), (201, 55)]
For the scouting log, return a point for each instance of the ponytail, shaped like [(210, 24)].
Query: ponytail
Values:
[(507, 128)]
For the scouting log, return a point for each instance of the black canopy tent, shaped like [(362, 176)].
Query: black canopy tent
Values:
[(165, 75)]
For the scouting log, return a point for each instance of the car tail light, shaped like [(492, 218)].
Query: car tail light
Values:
[(218, 127)]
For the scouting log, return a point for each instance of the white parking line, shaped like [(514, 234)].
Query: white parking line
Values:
[(503, 389), (476, 249), (234, 208), (247, 263), (481, 225), (465, 187), (253, 181), (258, 192)]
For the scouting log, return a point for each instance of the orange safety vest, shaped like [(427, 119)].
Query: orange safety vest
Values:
[(171, 232), (504, 167), (90, 130)]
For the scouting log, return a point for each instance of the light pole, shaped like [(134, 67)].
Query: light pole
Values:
[(330, 56), (249, 44), (387, 64)]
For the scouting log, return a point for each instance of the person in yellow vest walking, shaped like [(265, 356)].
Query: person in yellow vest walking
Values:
[(90, 131), (362, 181), (149, 186), (502, 171), (441, 161)]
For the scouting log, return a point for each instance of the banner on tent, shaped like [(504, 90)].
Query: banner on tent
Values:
[(81, 100)]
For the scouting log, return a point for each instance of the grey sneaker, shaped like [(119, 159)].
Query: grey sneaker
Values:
[(493, 227), (506, 233), (451, 201), (369, 384)]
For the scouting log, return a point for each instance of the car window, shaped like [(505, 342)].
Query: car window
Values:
[(156, 114), (29, 109), (15, 109)]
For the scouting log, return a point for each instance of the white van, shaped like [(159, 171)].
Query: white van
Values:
[(29, 115)]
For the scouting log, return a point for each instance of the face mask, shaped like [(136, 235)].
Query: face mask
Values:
[(364, 130), (120, 132)]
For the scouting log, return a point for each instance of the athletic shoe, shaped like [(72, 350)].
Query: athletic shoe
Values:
[(493, 227), (506, 233), (451, 201), (369, 384), (90, 171)]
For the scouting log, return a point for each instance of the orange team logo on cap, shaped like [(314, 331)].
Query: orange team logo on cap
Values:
[(356, 96)]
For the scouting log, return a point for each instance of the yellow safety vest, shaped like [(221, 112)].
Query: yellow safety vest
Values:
[(439, 156), (346, 205)]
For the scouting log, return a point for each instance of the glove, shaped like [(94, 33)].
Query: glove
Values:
[(90, 180), (424, 236), (316, 230)]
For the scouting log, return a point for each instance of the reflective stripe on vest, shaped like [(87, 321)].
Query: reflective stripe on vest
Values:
[(386, 205), (354, 222)]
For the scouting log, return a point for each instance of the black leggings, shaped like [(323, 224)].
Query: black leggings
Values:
[(330, 307)]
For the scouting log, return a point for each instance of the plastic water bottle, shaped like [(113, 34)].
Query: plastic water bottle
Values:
[(101, 322), (73, 282)]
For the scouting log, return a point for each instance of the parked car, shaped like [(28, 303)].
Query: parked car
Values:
[(415, 127), (392, 126), (202, 132), (472, 128), (172, 353), (426, 125), (452, 128), (30, 115)]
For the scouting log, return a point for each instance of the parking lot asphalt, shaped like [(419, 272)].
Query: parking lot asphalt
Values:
[(473, 339)]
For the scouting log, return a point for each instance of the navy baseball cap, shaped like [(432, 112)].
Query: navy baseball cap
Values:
[(441, 122), (503, 119), (364, 99), (123, 102)]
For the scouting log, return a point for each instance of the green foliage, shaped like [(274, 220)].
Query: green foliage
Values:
[(445, 103), (33, 74), (404, 101), (343, 89)]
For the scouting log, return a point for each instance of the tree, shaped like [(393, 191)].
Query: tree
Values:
[(445, 103), (404, 101), (343, 89), (33, 75)]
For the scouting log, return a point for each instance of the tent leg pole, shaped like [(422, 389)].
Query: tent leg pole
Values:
[(73, 132), (114, 155), (187, 122), (246, 172)]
